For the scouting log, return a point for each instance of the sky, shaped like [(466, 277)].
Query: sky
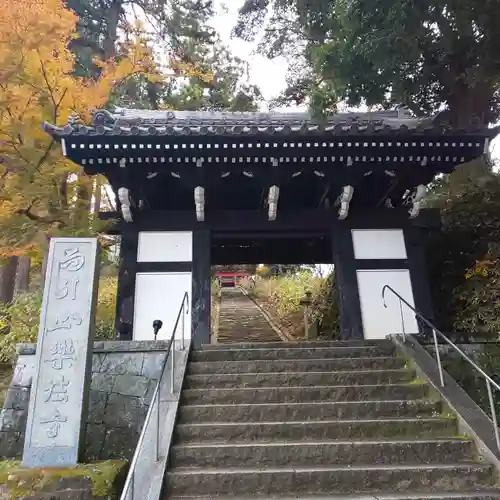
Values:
[(269, 76)]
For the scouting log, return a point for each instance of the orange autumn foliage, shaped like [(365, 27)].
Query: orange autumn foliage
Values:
[(37, 85)]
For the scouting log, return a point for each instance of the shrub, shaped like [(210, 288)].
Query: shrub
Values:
[(282, 295), (20, 323), (20, 320), (106, 308), (473, 383)]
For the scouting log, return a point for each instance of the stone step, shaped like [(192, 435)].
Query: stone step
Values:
[(302, 379), (436, 495), (272, 412), (301, 344), (345, 479), (304, 394), (297, 365), (226, 339), (322, 430), (300, 454), (258, 353)]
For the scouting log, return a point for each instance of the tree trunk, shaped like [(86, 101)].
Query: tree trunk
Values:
[(81, 208), (45, 264), (23, 275), (97, 195), (470, 105), (63, 192), (112, 21), (8, 280)]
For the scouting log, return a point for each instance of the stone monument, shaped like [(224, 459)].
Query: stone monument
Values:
[(59, 393)]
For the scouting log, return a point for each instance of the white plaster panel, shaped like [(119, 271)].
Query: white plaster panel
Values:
[(378, 321), (159, 296), (378, 244), (163, 246)]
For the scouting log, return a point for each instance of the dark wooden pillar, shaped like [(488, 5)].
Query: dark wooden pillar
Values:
[(351, 326), (124, 319), (415, 239), (201, 294)]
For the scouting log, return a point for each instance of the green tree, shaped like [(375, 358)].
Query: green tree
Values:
[(226, 90), (181, 29), (423, 54), (463, 257)]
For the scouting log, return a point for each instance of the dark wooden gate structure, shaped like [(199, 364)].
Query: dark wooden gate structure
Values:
[(197, 189)]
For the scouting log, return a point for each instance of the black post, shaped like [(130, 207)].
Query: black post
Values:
[(124, 318), (419, 275), (351, 326), (201, 294)]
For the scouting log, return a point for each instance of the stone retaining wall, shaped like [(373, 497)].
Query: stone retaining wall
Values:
[(124, 375)]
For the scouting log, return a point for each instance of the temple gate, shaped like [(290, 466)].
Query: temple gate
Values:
[(196, 189)]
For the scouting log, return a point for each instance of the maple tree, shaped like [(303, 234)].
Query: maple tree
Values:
[(38, 186)]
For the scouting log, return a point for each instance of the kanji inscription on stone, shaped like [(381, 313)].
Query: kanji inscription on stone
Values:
[(59, 393)]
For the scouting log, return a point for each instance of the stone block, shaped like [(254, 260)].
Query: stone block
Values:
[(102, 382), (94, 481), (124, 411), (97, 405), (119, 443), (139, 346), (94, 441), (134, 366), (149, 394), (26, 349), (97, 360), (24, 371), (17, 398), (13, 420), (11, 444), (153, 363), (120, 363), (131, 385)]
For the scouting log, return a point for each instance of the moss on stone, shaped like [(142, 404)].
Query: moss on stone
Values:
[(21, 481), (463, 437), (449, 415), (417, 381)]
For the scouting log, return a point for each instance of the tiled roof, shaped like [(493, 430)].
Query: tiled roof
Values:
[(131, 122)]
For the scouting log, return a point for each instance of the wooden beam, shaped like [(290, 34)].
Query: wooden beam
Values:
[(289, 221), (299, 254)]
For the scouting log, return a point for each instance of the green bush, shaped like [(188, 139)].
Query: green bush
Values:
[(19, 323), (282, 294), (106, 309), (20, 320), (286, 292), (471, 380), (327, 308)]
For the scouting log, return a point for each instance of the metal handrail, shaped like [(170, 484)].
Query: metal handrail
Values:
[(435, 332), (130, 481)]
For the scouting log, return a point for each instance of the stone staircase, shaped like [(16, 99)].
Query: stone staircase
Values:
[(240, 320), (339, 420)]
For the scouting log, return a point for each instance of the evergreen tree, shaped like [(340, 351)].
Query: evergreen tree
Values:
[(181, 30)]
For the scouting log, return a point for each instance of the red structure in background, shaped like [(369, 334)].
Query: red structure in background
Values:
[(230, 279)]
